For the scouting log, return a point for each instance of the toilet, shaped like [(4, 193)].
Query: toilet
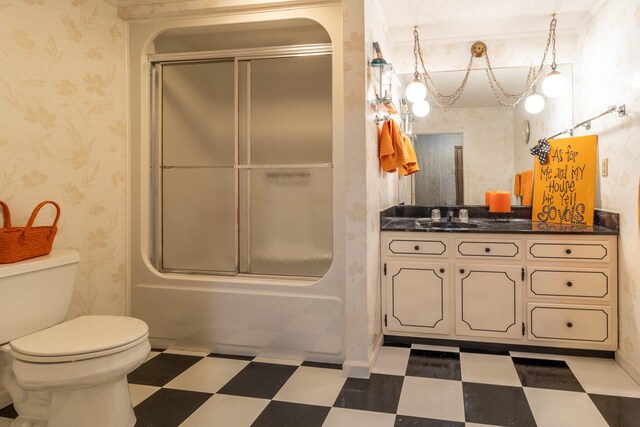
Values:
[(63, 373)]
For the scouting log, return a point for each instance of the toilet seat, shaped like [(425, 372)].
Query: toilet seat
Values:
[(82, 338)]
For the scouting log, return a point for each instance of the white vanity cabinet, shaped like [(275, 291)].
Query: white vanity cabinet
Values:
[(529, 289)]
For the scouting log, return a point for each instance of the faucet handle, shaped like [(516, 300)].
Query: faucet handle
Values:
[(463, 215)]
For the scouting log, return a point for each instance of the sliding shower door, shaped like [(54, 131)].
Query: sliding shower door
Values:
[(285, 164), (198, 179), (245, 148)]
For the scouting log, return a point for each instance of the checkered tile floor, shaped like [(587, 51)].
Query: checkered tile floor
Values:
[(411, 386)]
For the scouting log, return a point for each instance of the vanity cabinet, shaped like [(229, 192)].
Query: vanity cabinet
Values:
[(554, 291)]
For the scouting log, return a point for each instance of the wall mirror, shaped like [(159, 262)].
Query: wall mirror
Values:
[(477, 144)]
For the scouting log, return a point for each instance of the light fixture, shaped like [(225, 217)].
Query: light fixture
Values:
[(554, 85), (421, 108), (534, 102), (416, 88)]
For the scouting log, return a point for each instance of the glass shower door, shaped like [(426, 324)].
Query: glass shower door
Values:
[(198, 176), (285, 147)]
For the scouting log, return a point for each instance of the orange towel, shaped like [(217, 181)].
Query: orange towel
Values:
[(517, 185), (412, 161), (527, 187), (392, 154)]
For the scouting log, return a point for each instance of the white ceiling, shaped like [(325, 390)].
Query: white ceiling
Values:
[(469, 19)]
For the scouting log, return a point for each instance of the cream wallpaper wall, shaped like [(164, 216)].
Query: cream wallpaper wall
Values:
[(609, 73), (62, 105), (357, 348), (381, 188)]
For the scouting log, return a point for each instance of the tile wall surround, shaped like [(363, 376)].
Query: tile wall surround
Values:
[(62, 98)]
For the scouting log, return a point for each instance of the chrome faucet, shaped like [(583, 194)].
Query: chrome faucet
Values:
[(450, 216)]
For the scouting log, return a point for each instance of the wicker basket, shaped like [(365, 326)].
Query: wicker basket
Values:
[(18, 243)]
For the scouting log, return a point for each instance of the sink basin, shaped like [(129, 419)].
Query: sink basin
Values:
[(425, 223), (453, 225), (417, 224)]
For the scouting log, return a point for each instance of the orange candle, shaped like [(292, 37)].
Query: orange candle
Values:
[(500, 201), (487, 197)]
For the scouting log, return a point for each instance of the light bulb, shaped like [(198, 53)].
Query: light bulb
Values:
[(421, 108), (534, 103), (416, 91), (554, 84)]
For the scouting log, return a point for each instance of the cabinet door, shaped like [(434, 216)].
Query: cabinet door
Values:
[(489, 300), (417, 297)]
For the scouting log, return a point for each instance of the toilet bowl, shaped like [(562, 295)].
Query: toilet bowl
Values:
[(64, 374)]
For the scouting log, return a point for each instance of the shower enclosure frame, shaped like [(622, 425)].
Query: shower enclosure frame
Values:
[(237, 56)]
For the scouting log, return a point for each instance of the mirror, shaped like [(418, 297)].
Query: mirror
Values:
[(478, 145)]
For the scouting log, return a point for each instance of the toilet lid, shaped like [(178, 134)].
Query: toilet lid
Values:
[(81, 336)]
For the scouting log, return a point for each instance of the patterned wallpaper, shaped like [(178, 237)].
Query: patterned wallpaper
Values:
[(62, 104), (609, 73)]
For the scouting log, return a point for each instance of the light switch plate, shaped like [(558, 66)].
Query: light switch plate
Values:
[(604, 169)]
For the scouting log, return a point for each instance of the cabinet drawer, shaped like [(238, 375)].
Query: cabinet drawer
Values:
[(433, 247), (569, 323), (568, 250), (571, 283), (502, 249)]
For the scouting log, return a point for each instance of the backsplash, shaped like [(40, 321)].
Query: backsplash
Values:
[(62, 97)]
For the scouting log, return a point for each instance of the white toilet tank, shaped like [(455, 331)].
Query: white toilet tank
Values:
[(35, 294)]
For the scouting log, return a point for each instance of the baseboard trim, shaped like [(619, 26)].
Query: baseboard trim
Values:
[(355, 369), (628, 366), (5, 399), (362, 369), (407, 341)]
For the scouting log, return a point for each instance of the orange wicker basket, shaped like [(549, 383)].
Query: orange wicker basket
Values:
[(18, 243)]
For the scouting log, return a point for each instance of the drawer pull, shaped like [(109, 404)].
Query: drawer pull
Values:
[(442, 270), (487, 250), (568, 251), (416, 247), (569, 325), (569, 284), (462, 271)]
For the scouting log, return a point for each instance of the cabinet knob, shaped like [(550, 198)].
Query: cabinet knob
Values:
[(569, 284), (416, 247), (487, 250), (568, 251), (569, 325), (442, 270), (462, 271)]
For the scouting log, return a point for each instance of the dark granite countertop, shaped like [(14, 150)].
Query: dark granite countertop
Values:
[(418, 218)]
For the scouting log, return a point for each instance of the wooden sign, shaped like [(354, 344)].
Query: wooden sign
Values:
[(564, 187)]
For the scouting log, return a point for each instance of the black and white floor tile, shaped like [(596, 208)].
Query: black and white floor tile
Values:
[(417, 386)]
